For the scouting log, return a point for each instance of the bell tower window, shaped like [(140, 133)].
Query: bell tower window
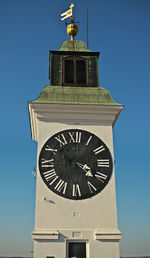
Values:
[(69, 71), (75, 71)]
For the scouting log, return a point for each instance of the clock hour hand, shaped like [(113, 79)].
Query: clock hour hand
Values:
[(85, 168)]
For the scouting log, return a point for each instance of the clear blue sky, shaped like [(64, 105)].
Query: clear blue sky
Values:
[(120, 30)]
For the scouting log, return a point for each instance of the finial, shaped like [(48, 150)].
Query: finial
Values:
[(72, 28)]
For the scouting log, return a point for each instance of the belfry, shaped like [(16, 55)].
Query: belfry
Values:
[(72, 122)]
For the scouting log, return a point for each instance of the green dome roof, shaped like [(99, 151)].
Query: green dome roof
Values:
[(75, 45), (75, 95)]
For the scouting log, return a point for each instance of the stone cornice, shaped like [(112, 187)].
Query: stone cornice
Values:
[(72, 114)]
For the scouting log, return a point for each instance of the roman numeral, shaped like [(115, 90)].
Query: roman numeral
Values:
[(47, 163), (100, 176), (92, 188), (99, 149), (61, 139), (48, 148), (76, 190), (75, 136), (103, 163), (50, 175), (88, 141), (61, 186)]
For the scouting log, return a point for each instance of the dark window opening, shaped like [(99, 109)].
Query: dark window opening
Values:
[(69, 71), (77, 250), (80, 72), (75, 72)]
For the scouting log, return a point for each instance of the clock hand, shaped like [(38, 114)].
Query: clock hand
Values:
[(85, 168)]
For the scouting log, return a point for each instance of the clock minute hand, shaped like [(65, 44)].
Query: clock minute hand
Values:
[(85, 168)]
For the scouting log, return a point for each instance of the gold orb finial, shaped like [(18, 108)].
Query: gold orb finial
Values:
[(72, 30)]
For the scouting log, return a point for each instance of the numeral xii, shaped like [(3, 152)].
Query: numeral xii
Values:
[(75, 136)]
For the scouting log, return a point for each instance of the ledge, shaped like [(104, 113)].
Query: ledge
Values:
[(45, 235), (108, 235)]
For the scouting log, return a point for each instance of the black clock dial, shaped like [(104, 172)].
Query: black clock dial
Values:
[(75, 164)]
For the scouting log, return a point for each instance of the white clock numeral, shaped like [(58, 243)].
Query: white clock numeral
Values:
[(61, 139), (50, 175), (92, 188), (99, 149), (48, 148), (76, 190), (47, 163), (75, 136), (61, 185), (78, 137), (103, 163), (100, 176), (88, 141)]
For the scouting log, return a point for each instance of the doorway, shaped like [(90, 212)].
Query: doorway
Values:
[(77, 250)]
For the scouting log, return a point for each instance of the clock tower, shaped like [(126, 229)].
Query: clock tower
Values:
[(72, 121)]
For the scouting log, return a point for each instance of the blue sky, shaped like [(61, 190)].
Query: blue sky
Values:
[(119, 29)]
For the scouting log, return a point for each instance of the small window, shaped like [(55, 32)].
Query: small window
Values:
[(75, 72)]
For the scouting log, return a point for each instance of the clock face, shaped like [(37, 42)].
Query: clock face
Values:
[(75, 164)]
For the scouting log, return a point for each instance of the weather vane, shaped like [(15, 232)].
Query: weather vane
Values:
[(68, 13), (72, 28)]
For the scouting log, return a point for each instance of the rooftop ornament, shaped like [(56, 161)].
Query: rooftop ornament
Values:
[(72, 28)]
